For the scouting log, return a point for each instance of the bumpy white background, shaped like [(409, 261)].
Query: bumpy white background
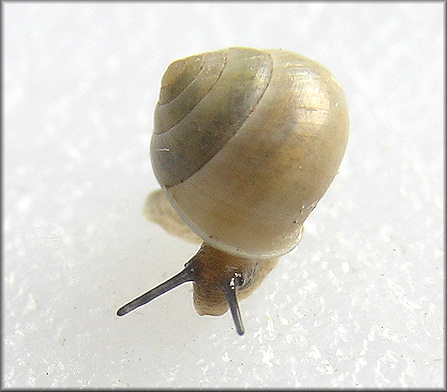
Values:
[(360, 301)]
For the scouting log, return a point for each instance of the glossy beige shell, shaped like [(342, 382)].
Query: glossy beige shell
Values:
[(245, 144)]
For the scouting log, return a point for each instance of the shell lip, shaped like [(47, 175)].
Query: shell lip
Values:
[(233, 249)]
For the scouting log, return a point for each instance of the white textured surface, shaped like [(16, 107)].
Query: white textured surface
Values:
[(359, 302)]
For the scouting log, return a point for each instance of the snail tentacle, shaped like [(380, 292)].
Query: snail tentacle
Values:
[(230, 294), (185, 275)]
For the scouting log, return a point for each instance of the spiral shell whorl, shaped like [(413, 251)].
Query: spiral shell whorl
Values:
[(217, 91)]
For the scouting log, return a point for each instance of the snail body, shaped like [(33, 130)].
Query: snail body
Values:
[(245, 144)]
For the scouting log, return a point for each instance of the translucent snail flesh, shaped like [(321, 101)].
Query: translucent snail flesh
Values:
[(245, 144)]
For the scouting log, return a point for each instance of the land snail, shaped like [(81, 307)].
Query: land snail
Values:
[(245, 143)]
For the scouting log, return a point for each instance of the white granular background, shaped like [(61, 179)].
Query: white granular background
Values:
[(359, 303)]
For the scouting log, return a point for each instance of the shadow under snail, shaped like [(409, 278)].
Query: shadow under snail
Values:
[(245, 144)]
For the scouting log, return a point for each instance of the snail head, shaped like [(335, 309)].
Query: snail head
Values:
[(219, 279)]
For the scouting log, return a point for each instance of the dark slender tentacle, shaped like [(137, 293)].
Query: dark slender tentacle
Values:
[(186, 275), (230, 294)]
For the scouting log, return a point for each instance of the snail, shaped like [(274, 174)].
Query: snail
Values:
[(245, 144)]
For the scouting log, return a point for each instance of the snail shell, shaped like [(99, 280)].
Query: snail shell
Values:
[(245, 144)]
